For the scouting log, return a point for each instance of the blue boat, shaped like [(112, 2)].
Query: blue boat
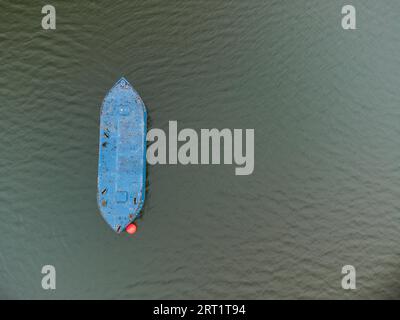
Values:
[(121, 183)]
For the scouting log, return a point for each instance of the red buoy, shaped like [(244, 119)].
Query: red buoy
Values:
[(131, 228)]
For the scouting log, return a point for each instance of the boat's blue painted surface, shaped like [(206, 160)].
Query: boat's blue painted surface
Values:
[(121, 180)]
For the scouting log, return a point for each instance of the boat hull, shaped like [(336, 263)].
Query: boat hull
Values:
[(121, 183)]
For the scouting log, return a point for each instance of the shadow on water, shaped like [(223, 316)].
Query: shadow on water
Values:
[(147, 190)]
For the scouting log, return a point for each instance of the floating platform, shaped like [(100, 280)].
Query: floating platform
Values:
[(121, 183)]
